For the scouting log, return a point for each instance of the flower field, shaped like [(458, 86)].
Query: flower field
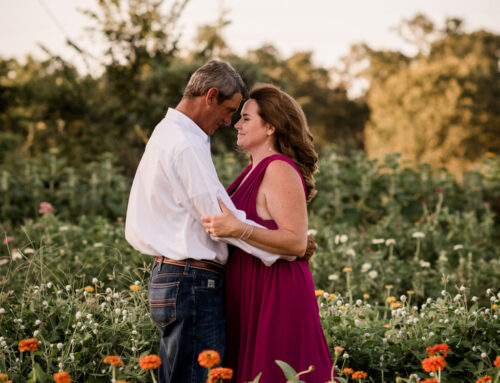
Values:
[(406, 259)]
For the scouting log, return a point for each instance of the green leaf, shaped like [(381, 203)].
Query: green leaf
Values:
[(289, 372), (257, 378)]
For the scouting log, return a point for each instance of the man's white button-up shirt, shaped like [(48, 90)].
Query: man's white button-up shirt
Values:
[(175, 184)]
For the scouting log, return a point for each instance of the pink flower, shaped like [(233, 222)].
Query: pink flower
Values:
[(45, 207), (8, 240), (439, 190)]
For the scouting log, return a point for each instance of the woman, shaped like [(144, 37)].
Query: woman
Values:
[(272, 312)]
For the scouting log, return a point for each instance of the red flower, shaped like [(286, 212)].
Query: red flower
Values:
[(62, 377), (150, 362), (439, 190), (429, 380), (433, 363), (28, 345), (208, 358), (113, 360), (442, 348), (484, 379), (221, 373), (497, 361), (359, 375), (46, 207)]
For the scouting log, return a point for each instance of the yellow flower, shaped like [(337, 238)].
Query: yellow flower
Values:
[(319, 292), (134, 287), (388, 287), (391, 299), (343, 308), (490, 154), (89, 289), (347, 269), (387, 326), (395, 305), (494, 306), (331, 296), (366, 296), (410, 292)]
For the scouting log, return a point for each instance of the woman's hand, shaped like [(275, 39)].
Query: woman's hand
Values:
[(223, 225)]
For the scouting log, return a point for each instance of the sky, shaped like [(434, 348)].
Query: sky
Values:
[(325, 27)]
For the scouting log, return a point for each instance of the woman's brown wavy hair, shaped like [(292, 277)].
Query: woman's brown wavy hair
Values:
[(292, 135)]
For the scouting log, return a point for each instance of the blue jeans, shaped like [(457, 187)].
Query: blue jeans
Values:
[(187, 305)]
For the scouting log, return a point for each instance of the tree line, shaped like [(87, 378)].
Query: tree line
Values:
[(439, 105)]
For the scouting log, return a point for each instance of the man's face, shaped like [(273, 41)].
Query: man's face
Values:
[(219, 114)]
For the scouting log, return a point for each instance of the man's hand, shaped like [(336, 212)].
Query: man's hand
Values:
[(311, 248)]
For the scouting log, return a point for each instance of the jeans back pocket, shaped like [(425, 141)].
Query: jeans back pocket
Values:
[(162, 299)]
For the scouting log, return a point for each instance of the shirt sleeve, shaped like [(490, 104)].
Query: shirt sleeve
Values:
[(200, 189)]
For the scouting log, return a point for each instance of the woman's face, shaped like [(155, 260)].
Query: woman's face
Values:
[(253, 132)]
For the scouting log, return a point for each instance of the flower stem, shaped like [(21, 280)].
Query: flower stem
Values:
[(153, 376)]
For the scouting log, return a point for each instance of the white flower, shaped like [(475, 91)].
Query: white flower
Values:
[(133, 349), (333, 277), (373, 274), (16, 254), (384, 340), (94, 331), (98, 244), (345, 355), (312, 232), (59, 292), (60, 346), (60, 365), (2, 310), (320, 305), (118, 311), (64, 228), (337, 239), (488, 291), (339, 303), (134, 332), (381, 357), (37, 322), (28, 250), (351, 252), (359, 302), (45, 303), (378, 241), (35, 333), (68, 287), (72, 356), (402, 298), (431, 334), (365, 267), (429, 301), (78, 315), (390, 241), (356, 322), (343, 238), (446, 320), (137, 283), (457, 297), (85, 293), (418, 234), (116, 295), (89, 316), (95, 280), (49, 285), (103, 304), (425, 264), (458, 247), (326, 295), (484, 355)]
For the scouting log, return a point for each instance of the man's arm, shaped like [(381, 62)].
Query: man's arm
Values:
[(200, 194)]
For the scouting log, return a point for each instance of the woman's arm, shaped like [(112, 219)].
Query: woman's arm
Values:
[(281, 197)]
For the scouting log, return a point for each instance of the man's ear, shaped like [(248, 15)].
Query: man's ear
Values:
[(212, 96)]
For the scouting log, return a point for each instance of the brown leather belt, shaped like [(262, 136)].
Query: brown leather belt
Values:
[(194, 263)]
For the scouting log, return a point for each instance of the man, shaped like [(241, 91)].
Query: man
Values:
[(175, 184)]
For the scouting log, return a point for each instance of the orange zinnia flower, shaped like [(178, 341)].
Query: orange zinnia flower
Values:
[(150, 362), (359, 375), (484, 379), (3, 377), (347, 371), (89, 289), (433, 363), (497, 361), (62, 377), (442, 348), (28, 345), (134, 287), (208, 358), (113, 360), (429, 380), (221, 373)]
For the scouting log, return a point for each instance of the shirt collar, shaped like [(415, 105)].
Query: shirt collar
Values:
[(188, 124)]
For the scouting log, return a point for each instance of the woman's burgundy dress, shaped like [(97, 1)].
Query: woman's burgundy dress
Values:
[(272, 312)]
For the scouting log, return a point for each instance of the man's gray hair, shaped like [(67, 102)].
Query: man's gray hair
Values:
[(216, 74)]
